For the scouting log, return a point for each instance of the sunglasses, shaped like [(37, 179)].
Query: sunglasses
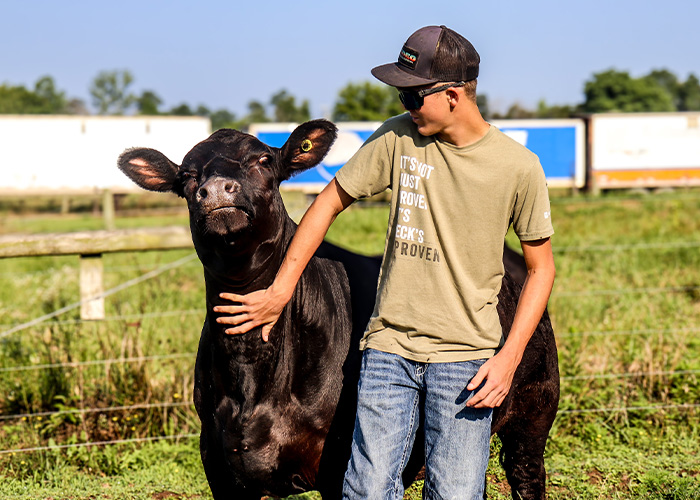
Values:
[(413, 99)]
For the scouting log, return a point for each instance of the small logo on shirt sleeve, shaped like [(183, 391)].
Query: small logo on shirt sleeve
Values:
[(546, 215)]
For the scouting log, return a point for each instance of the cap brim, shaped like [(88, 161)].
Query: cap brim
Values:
[(392, 74)]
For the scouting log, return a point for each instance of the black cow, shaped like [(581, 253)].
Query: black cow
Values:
[(277, 417)]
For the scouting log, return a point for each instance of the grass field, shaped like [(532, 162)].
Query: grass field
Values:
[(625, 307)]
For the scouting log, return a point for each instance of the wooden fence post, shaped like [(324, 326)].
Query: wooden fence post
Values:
[(91, 285), (90, 245), (108, 210)]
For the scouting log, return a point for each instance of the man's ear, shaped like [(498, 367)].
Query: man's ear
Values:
[(150, 169), (306, 146), (453, 97)]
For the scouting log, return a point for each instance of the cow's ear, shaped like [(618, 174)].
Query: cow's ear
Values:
[(150, 169), (306, 146)]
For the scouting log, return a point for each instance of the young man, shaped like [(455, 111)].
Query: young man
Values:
[(433, 345)]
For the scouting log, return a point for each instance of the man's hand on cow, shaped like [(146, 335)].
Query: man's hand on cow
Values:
[(260, 308), (497, 376)]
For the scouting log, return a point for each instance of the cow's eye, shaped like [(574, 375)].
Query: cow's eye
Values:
[(264, 161), (189, 182), (189, 176)]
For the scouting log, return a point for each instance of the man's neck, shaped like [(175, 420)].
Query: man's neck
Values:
[(467, 127)]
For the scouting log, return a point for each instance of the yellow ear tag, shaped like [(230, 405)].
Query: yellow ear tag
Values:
[(306, 145)]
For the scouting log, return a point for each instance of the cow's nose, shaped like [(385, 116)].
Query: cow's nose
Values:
[(217, 189)]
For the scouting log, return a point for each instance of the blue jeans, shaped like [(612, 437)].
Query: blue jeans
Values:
[(391, 392)]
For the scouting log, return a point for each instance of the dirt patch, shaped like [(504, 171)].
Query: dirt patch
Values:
[(595, 476), (161, 495), (499, 483)]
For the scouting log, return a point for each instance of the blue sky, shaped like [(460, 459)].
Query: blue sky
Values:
[(224, 54)]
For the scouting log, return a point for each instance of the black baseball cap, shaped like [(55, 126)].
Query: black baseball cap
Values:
[(430, 55)]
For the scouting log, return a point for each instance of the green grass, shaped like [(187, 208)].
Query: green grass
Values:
[(627, 318), (138, 473)]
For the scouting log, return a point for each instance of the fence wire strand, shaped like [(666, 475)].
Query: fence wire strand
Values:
[(86, 411), (634, 246), (625, 291), (630, 408), (123, 317), (625, 409), (643, 331), (112, 291), (651, 373), (97, 443), (95, 362)]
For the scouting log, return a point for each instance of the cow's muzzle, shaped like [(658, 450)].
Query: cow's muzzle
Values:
[(218, 192)]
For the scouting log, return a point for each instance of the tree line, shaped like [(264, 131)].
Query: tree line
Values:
[(110, 92), (617, 91)]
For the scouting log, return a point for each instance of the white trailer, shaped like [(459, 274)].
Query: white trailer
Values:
[(56, 154), (644, 150)]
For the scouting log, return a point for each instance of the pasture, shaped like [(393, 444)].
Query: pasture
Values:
[(625, 309)]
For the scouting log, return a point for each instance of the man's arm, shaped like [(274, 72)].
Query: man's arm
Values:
[(498, 371), (264, 307)]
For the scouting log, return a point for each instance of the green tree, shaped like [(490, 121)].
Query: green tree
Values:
[(19, 100), (366, 101), (256, 113), (545, 111), (44, 99), (76, 107), (55, 100), (182, 110), (689, 93), (517, 111), (202, 110), (225, 119), (148, 103), (286, 109), (667, 81), (109, 91), (482, 102), (222, 118), (617, 91)]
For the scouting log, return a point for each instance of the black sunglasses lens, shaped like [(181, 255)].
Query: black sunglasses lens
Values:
[(410, 100)]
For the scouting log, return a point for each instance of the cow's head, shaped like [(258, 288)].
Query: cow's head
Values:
[(231, 181)]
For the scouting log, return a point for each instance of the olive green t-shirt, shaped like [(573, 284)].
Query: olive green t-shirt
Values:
[(450, 210)]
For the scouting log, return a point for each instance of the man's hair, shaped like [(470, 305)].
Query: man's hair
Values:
[(470, 90)]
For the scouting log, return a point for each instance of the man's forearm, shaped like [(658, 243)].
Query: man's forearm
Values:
[(531, 305), (498, 372)]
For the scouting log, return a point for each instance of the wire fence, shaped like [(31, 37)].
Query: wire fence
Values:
[(86, 411), (123, 317), (191, 355), (112, 291), (96, 362), (626, 291), (628, 247), (56, 447), (46, 320)]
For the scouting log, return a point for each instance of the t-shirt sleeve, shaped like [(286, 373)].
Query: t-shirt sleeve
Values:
[(368, 172), (532, 219)]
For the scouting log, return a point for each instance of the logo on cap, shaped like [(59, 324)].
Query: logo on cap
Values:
[(408, 57)]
